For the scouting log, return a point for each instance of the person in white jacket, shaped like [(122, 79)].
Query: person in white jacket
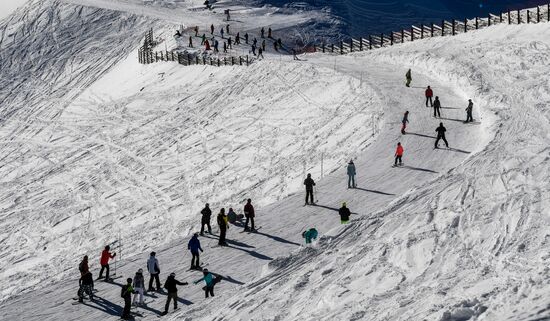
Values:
[(139, 287), (154, 271)]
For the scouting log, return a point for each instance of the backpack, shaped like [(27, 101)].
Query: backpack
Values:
[(123, 291)]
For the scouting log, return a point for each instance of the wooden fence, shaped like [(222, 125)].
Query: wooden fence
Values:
[(146, 55), (446, 28)]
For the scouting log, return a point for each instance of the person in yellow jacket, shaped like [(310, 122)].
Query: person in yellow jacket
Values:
[(224, 225)]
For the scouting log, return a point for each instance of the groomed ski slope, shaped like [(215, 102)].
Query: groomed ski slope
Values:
[(458, 235)]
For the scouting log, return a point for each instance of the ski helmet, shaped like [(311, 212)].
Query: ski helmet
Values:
[(129, 280), (140, 271), (172, 274)]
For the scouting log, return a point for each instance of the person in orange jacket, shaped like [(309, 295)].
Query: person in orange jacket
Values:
[(104, 261), (429, 95), (398, 154)]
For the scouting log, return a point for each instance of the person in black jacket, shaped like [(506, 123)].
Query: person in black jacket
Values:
[(437, 107), (126, 293), (441, 135), (86, 284), (171, 285), (309, 183), (222, 223), (206, 214), (344, 214)]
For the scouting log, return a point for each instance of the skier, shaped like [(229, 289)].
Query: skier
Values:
[(126, 293), (208, 278), (408, 76), (212, 29), (260, 53), (246, 38), (227, 28), (83, 267), (139, 287), (216, 43), (221, 31), (104, 261), (254, 50), (255, 42), (437, 107), (194, 246), (344, 213), (225, 47), (405, 121), (86, 286), (223, 225), (469, 110), (441, 135), (309, 183), (238, 38), (398, 154), (154, 271), (310, 235), (249, 214), (196, 31), (205, 220), (171, 285), (269, 32), (190, 42), (229, 43), (263, 45), (351, 174), (262, 32), (203, 39), (206, 45), (429, 95)]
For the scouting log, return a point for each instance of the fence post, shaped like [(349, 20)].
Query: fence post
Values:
[(370, 42), (477, 23), (204, 60), (519, 17), (442, 27), (402, 36), (189, 61), (218, 62), (453, 28), (232, 61), (548, 12), (323, 47), (332, 48), (351, 45), (422, 31), (156, 56), (509, 18), (247, 63), (412, 33), (538, 14), (341, 47), (528, 16), (361, 44), (465, 25), (381, 40), (197, 60), (501, 17), (391, 39), (432, 30), (489, 19)]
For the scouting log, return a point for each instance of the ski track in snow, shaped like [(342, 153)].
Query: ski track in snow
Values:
[(457, 234)]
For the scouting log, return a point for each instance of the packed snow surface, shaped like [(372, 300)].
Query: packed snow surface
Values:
[(97, 148)]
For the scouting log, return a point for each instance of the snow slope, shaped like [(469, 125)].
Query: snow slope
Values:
[(457, 234)]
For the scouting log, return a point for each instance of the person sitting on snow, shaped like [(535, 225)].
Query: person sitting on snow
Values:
[(310, 235)]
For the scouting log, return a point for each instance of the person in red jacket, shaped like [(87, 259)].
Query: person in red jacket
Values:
[(249, 214), (429, 95), (104, 261), (398, 154)]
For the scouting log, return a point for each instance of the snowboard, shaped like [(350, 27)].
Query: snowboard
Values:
[(400, 165)]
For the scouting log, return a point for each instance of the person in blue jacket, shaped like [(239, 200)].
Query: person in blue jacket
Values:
[(351, 174), (208, 278), (310, 235), (194, 246)]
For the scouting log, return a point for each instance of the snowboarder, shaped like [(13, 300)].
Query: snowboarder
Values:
[(221, 32), (351, 174), (206, 45), (309, 183), (223, 225), (190, 42), (344, 213), (104, 261), (225, 47), (212, 29), (263, 45), (441, 135), (196, 31), (249, 214), (429, 95), (139, 287), (86, 286), (398, 154), (408, 76), (262, 32), (126, 293), (405, 121), (238, 38), (246, 38), (260, 53), (178, 34), (203, 39), (310, 235), (154, 271), (269, 32), (469, 110), (437, 107), (194, 246), (205, 220), (171, 286), (208, 278)]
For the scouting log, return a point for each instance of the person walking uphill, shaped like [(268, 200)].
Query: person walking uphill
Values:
[(408, 77), (469, 110), (194, 246), (398, 154), (154, 271), (104, 261), (126, 293), (344, 213), (205, 220), (210, 282), (309, 183), (171, 285), (441, 135), (249, 215), (429, 95), (437, 107), (223, 225), (405, 121), (351, 174)]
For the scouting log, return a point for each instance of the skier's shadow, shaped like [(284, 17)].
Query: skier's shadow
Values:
[(422, 135), (105, 306), (373, 191), (180, 300), (460, 121), (450, 108), (418, 169), (253, 253), (459, 150), (336, 209), (277, 238)]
